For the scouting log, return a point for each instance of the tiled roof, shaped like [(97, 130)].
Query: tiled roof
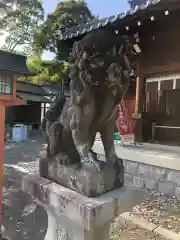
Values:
[(30, 88), (32, 92), (55, 88), (68, 33), (14, 63), (34, 97)]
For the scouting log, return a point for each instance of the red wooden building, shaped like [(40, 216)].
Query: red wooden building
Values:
[(155, 98)]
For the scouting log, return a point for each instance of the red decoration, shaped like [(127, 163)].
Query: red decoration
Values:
[(123, 121)]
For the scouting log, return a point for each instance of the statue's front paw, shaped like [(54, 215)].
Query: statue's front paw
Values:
[(85, 160), (91, 161)]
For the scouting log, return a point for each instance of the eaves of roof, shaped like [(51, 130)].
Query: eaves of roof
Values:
[(13, 62), (76, 31)]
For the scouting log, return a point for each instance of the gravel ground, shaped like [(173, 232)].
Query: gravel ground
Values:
[(24, 152), (22, 219), (130, 231), (160, 210)]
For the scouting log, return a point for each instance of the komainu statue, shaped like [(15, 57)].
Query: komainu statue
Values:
[(100, 76)]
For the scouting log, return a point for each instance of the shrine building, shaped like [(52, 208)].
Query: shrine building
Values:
[(153, 99)]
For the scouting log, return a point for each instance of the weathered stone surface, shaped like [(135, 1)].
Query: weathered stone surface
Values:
[(177, 192), (174, 176), (80, 210), (157, 173), (143, 170), (138, 182), (128, 179), (166, 187), (85, 178), (125, 162), (131, 168), (151, 184)]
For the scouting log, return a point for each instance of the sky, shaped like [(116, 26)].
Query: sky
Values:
[(98, 7)]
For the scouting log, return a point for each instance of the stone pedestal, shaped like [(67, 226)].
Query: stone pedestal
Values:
[(72, 216), (88, 179)]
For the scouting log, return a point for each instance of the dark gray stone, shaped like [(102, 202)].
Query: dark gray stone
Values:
[(85, 178)]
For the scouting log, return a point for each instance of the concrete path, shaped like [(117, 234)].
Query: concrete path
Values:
[(152, 154), (147, 149)]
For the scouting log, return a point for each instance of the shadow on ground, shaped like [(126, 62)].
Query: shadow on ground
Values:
[(22, 219), (27, 151)]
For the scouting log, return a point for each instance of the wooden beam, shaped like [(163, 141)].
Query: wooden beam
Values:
[(15, 102), (168, 68)]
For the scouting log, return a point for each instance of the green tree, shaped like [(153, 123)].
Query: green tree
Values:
[(67, 14), (47, 71), (21, 19)]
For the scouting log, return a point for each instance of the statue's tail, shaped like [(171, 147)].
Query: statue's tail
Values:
[(53, 112), (56, 109)]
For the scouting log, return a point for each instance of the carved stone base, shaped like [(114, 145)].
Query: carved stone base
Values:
[(84, 178), (72, 216)]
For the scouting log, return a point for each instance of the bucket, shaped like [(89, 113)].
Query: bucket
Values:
[(18, 133)]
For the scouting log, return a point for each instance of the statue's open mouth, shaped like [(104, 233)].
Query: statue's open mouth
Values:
[(92, 82)]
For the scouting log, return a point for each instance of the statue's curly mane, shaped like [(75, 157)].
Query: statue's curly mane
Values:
[(98, 42), (93, 55)]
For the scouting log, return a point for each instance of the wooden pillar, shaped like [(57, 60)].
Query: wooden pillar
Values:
[(14, 86), (137, 96), (139, 105), (2, 125)]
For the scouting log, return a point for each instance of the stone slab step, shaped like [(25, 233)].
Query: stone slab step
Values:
[(155, 229)]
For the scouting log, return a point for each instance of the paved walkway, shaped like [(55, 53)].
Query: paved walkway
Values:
[(148, 149), (152, 154)]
